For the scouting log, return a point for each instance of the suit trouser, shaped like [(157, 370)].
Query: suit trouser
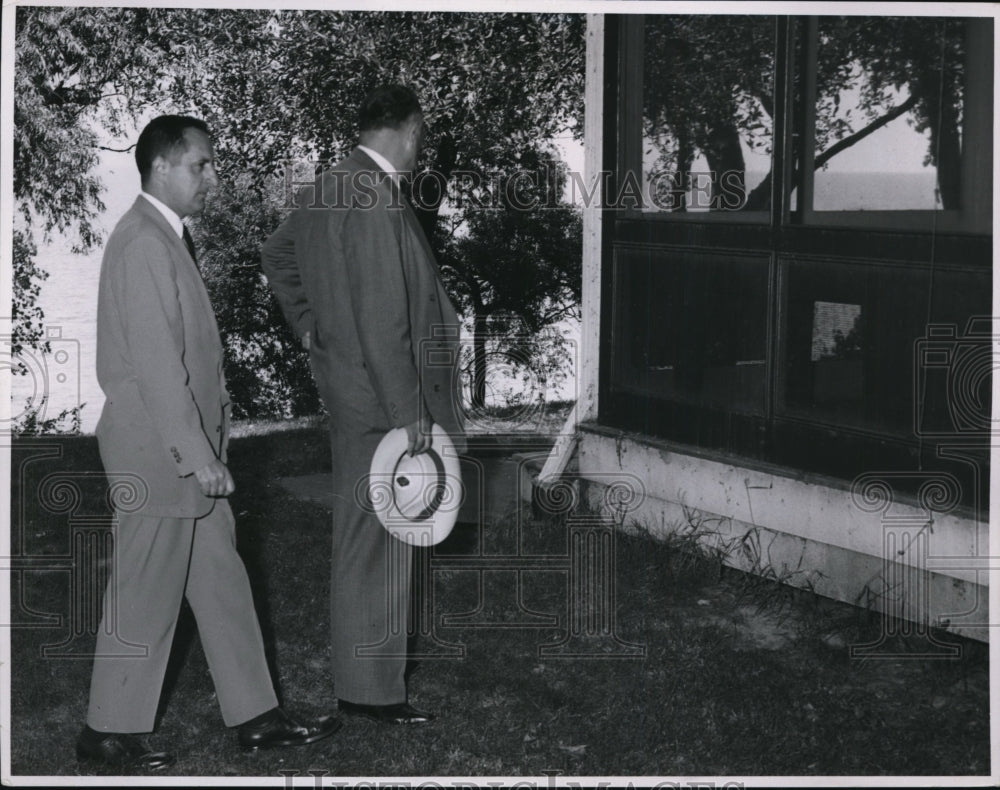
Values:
[(370, 589), (159, 560)]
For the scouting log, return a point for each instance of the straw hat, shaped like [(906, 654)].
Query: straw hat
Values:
[(416, 497)]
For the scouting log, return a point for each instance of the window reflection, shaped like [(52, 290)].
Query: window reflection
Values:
[(837, 353), (850, 337), (692, 327), (889, 95), (707, 113), (836, 330)]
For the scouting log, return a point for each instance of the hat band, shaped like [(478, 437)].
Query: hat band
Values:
[(439, 488)]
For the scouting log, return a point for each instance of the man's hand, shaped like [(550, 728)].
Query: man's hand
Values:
[(418, 434), (215, 479), (306, 340)]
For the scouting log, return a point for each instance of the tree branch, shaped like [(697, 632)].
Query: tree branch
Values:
[(875, 125), (755, 200), (116, 150)]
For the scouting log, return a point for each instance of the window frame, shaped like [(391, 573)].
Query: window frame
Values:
[(632, 43), (789, 437), (975, 216)]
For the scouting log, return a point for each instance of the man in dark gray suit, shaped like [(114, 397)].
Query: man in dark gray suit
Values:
[(357, 281)]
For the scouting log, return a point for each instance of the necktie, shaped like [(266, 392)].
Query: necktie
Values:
[(189, 243)]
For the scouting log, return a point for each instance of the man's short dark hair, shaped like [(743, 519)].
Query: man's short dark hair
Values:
[(161, 137), (387, 107)]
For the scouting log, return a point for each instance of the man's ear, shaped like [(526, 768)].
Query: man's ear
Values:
[(416, 126), (160, 165)]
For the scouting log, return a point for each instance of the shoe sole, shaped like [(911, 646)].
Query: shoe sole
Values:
[(93, 761), (379, 720), (292, 742)]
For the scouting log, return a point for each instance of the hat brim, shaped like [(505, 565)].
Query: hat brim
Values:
[(433, 486)]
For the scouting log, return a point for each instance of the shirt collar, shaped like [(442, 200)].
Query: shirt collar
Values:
[(381, 161), (168, 214)]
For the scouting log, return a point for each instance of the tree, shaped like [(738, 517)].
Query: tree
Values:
[(75, 70), (707, 78), (516, 272), (921, 56), (273, 85)]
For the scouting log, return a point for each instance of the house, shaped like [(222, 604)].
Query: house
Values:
[(787, 342)]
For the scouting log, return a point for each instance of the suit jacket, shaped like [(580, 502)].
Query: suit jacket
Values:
[(352, 267), (159, 362)]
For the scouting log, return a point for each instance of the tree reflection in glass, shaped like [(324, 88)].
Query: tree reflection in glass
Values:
[(886, 102), (707, 112), (888, 105)]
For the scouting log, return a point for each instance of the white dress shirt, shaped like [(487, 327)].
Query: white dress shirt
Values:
[(381, 161)]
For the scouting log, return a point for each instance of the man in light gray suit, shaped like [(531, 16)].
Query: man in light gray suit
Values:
[(357, 281), (164, 429)]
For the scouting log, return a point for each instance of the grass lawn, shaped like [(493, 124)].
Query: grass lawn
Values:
[(732, 678)]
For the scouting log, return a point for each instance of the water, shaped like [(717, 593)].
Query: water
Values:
[(844, 191), (67, 374), (69, 301)]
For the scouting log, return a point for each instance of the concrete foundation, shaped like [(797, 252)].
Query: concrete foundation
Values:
[(922, 561)]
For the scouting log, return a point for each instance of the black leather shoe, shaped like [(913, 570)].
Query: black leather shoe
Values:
[(119, 751), (277, 728), (400, 713)]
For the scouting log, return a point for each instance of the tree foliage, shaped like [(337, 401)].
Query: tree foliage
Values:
[(884, 60), (493, 88), (76, 70), (707, 79), (514, 271), (276, 87), (281, 86), (266, 368)]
